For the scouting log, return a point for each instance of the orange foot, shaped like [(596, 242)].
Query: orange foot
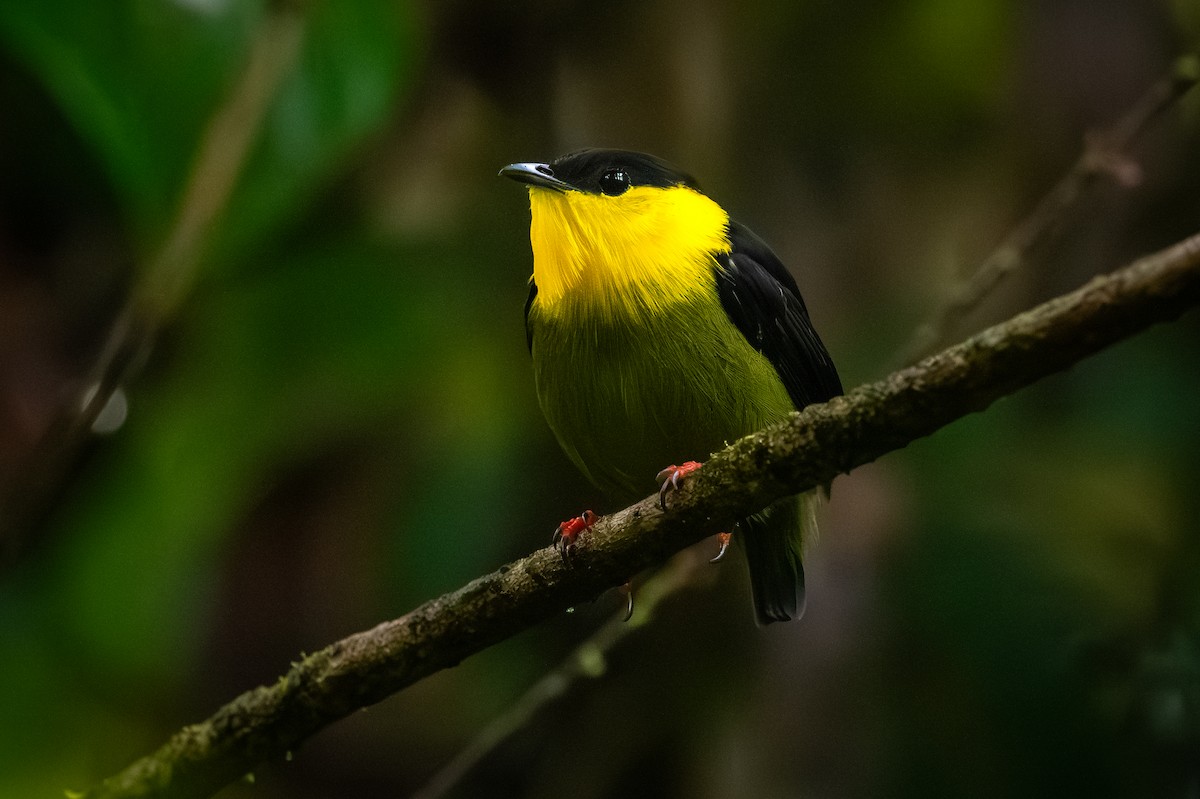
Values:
[(567, 532), (723, 540), (670, 477)]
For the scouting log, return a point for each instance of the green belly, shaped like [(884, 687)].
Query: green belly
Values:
[(629, 395)]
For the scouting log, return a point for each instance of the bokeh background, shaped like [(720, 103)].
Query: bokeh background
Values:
[(336, 420)]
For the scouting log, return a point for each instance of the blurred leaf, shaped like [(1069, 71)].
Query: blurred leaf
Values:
[(356, 57), (140, 79)]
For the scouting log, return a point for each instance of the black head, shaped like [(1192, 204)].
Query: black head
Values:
[(598, 171)]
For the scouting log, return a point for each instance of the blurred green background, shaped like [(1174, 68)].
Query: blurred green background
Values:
[(338, 422)]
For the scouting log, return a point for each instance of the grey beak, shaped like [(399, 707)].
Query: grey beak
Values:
[(533, 174)]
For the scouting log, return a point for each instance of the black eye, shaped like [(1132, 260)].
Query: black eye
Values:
[(614, 182)]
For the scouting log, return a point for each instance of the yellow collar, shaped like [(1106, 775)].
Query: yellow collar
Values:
[(635, 253)]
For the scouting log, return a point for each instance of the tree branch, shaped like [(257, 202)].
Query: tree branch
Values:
[(586, 662), (809, 449)]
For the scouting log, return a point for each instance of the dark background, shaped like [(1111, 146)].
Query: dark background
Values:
[(338, 421)]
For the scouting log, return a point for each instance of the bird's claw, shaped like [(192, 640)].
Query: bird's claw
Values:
[(565, 534), (628, 589), (670, 477), (723, 540)]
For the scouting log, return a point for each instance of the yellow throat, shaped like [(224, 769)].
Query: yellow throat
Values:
[(635, 253)]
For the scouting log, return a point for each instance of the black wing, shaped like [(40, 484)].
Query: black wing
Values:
[(528, 305), (762, 300)]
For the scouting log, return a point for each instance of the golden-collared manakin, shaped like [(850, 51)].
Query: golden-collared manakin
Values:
[(660, 330)]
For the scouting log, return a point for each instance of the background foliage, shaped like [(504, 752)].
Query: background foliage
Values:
[(340, 424)]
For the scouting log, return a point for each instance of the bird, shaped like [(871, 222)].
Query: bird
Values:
[(660, 330)]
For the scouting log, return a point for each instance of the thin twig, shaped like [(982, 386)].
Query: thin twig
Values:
[(586, 662), (1105, 154), (220, 158), (167, 278), (808, 450)]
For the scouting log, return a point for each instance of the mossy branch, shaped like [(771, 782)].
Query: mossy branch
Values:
[(809, 449)]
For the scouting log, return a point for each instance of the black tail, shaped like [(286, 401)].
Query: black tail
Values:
[(773, 542)]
